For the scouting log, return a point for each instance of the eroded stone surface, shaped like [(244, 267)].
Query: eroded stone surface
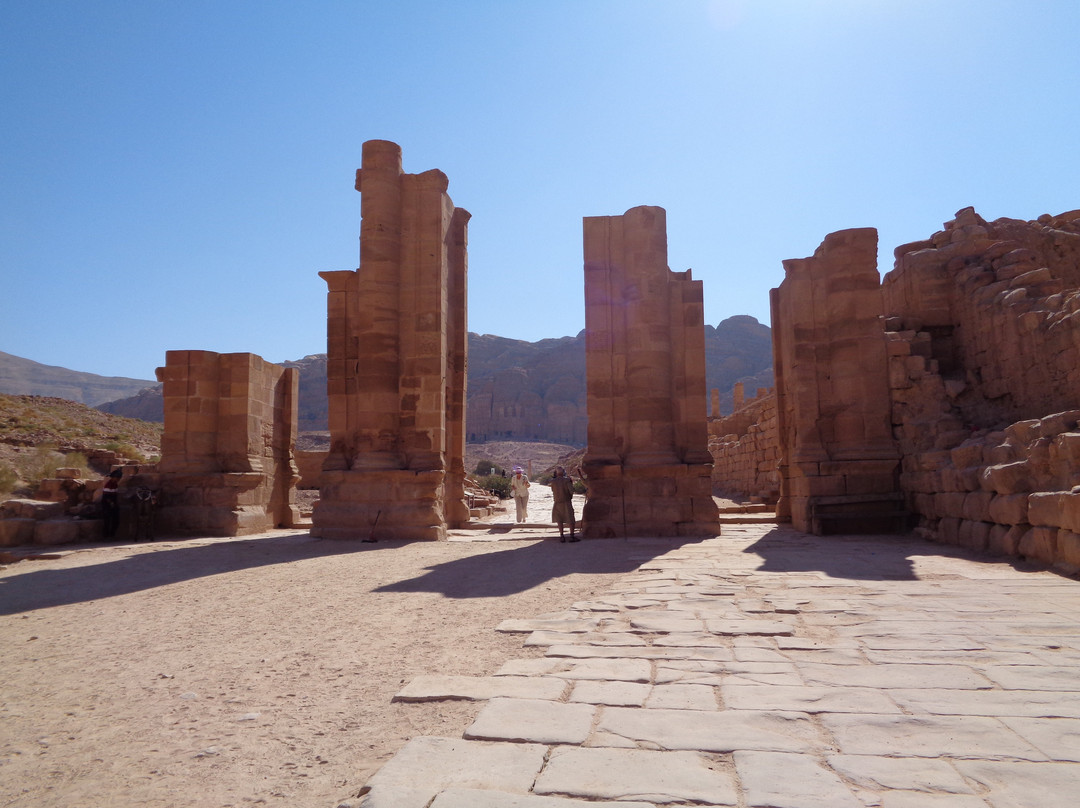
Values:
[(627, 774)]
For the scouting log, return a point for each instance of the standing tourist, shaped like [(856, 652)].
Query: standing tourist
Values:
[(110, 503), (562, 491), (519, 488)]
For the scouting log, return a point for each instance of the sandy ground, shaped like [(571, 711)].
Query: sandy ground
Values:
[(259, 670)]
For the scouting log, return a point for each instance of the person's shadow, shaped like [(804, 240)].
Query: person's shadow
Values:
[(521, 567)]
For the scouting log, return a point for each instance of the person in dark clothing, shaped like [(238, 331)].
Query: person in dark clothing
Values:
[(110, 503)]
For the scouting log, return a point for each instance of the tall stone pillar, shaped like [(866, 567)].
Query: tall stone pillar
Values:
[(647, 462), (227, 466), (840, 464), (396, 361)]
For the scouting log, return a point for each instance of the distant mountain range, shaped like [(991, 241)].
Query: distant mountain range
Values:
[(517, 390), (23, 377)]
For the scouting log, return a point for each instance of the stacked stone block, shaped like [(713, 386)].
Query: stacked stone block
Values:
[(396, 361), (840, 465), (975, 369), (745, 448), (227, 451), (647, 462)]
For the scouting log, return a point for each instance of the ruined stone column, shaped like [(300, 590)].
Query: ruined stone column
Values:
[(396, 345), (647, 461), (840, 463), (227, 465)]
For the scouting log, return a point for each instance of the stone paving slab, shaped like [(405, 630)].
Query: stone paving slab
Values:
[(778, 780), (808, 699), (615, 694), (640, 652), (474, 798), (1025, 785), (627, 774), (922, 775), (929, 736), (998, 703), (711, 731), (427, 765), (954, 677), (877, 673), (438, 687), (1059, 738), (532, 721), (592, 638)]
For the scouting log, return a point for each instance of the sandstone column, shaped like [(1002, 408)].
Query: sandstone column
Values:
[(227, 464), (396, 361), (840, 464), (647, 461)]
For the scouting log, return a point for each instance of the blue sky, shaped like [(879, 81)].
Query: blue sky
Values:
[(173, 175)]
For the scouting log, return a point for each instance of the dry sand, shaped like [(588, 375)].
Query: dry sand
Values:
[(254, 671)]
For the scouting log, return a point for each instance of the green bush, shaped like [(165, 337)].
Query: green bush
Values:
[(489, 468), (496, 484)]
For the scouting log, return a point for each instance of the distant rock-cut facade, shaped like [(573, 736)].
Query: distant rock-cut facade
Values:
[(396, 361), (647, 461)]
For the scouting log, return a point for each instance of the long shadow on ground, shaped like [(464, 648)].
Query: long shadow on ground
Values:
[(43, 588), (524, 566), (475, 575)]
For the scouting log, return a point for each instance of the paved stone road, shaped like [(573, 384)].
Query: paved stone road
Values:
[(771, 669)]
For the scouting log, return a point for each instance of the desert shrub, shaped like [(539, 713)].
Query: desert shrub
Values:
[(9, 478), (488, 468), (496, 484), (579, 487), (42, 464), (545, 478)]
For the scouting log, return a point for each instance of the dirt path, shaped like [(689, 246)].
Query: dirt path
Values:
[(256, 671)]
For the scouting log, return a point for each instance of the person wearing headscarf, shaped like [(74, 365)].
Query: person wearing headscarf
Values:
[(519, 489)]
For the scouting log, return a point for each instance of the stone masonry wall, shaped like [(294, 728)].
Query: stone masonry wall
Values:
[(227, 451), (984, 369), (745, 447)]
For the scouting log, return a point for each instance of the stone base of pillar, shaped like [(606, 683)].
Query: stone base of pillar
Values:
[(218, 504), (667, 500), (389, 504)]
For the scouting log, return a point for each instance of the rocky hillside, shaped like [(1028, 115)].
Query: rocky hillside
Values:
[(40, 434), (20, 376)]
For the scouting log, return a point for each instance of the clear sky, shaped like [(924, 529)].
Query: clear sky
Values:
[(175, 173)]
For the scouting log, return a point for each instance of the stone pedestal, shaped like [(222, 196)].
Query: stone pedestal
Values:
[(647, 462), (396, 361)]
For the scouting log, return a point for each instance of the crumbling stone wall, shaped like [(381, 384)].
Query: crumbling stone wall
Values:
[(984, 368), (396, 361), (647, 462), (745, 448), (226, 464)]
